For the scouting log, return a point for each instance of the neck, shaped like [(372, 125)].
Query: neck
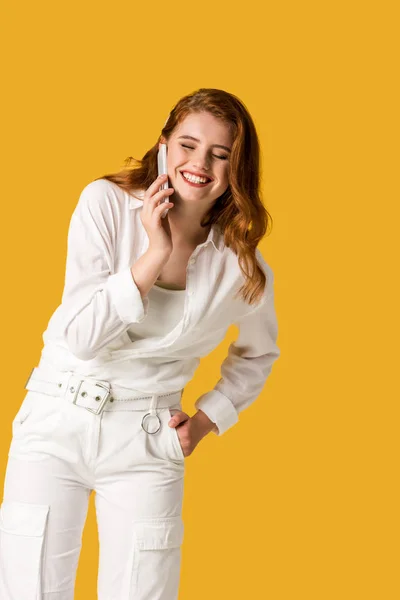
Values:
[(185, 225)]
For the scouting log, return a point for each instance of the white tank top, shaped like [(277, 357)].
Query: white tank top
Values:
[(165, 311)]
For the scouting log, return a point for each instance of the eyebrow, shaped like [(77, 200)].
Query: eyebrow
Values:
[(190, 137)]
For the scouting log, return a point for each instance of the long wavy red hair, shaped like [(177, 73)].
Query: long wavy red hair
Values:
[(239, 211)]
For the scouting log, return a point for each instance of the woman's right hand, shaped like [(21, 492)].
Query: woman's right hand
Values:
[(157, 229)]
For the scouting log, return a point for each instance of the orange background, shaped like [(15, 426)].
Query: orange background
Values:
[(300, 499)]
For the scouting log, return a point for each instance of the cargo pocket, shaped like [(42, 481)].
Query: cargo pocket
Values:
[(155, 560), (22, 531)]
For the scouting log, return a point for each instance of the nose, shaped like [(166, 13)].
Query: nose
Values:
[(201, 160)]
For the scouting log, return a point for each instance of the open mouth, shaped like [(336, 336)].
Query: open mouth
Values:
[(194, 183)]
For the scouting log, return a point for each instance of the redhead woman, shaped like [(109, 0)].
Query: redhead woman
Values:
[(145, 297)]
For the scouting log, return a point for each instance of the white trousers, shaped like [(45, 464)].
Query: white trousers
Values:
[(60, 452)]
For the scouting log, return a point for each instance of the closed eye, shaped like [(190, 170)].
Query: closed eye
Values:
[(216, 155)]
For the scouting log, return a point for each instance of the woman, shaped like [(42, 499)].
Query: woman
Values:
[(144, 298)]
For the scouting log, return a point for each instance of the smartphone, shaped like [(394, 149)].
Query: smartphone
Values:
[(163, 170)]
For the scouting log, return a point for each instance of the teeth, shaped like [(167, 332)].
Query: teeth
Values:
[(193, 178)]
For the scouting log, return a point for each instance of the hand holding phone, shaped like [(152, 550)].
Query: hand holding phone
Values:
[(154, 208)]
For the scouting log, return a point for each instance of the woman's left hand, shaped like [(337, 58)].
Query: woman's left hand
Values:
[(190, 430)]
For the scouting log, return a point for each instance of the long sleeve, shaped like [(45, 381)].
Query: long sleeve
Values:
[(97, 304), (246, 367)]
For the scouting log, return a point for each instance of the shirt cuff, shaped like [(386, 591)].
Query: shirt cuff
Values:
[(219, 409), (127, 299)]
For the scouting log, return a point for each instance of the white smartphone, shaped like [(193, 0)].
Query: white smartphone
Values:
[(163, 170)]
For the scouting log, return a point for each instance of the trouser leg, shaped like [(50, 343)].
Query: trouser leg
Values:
[(44, 506), (139, 494), (42, 518)]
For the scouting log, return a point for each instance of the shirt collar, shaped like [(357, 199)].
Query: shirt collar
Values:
[(214, 236)]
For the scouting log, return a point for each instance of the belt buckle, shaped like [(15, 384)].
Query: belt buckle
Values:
[(102, 403)]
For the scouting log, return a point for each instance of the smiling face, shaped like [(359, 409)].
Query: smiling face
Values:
[(199, 146)]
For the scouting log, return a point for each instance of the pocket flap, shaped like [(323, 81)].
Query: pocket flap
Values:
[(159, 533), (19, 518)]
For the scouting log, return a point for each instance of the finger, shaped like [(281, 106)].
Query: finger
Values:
[(161, 207), (159, 196), (179, 417), (156, 185)]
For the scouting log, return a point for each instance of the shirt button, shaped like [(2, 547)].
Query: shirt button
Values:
[(190, 293), (192, 261)]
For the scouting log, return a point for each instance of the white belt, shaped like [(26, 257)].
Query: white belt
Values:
[(96, 395)]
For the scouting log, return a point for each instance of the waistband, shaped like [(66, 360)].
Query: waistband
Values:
[(95, 395)]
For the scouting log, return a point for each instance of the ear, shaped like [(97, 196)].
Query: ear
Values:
[(162, 141)]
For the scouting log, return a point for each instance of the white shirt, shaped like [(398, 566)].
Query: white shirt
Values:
[(88, 332)]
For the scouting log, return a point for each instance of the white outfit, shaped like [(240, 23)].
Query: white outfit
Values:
[(88, 331), (109, 358)]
